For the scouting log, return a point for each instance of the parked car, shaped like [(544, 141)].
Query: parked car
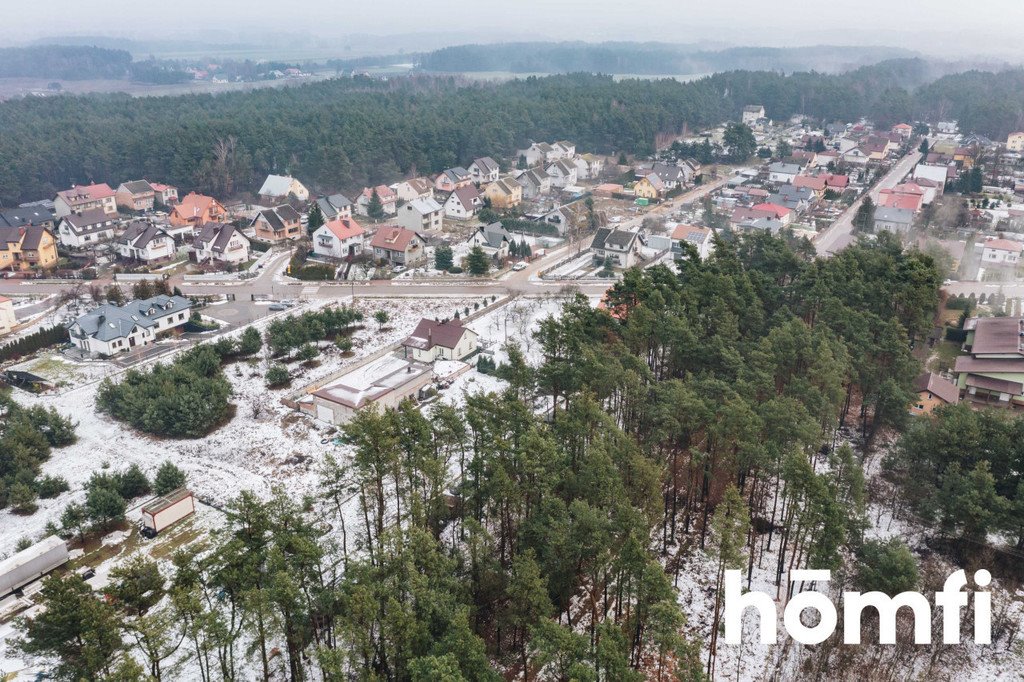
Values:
[(519, 266), (399, 268)]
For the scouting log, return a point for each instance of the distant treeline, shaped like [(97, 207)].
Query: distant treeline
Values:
[(63, 62), (343, 134), (647, 58)]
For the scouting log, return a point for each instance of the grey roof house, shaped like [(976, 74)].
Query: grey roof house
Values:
[(111, 329)]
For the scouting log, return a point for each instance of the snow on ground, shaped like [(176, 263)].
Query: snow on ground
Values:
[(265, 443)]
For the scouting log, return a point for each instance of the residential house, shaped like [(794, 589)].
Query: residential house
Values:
[(562, 173), (493, 239), (534, 183), (770, 225), (1001, 252), (135, 195), (796, 199), (1015, 142), (815, 183), (702, 239), (164, 195), (649, 187), (890, 198), (752, 114), (588, 166), (335, 206), (671, 176), (504, 193), (339, 238), (8, 321), (387, 196), (384, 382), (26, 247), (904, 130), (783, 172), (563, 149), (278, 189), (111, 329), (278, 224), (837, 183), (432, 340), (196, 210), (416, 188), (398, 246), (83, 197), (622, 247), (463, 203), (770, 210), (452, 179), (933, 392), (992, 373), (220, 243), (87, 228), (897, 220), (857, 157), (144, 242), (562, 218), (537, 153), (938, 173), (421, 215), (484, 170), (27, 215)]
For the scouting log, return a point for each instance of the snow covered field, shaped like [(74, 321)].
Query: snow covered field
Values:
[(266, 444)]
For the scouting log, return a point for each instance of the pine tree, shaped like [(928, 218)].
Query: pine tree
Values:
[(315, 219), (729, 528), (864, 219), (74, 627), (443, 258), (168, 478), (375, 207), (477, 261)]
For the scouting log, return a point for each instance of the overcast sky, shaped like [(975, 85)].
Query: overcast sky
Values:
[(941, 27)]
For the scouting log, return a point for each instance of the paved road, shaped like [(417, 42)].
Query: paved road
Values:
[(839, 235)]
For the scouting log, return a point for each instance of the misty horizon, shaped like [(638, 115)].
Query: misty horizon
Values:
[(322, 29)]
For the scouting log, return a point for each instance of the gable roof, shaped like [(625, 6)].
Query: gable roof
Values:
[(93, 220), (277, 186), (691, 233), (465, 195), (392, 238), (424, 205), (278, 216), (1004, 245), (139, 234), (936, 385), (384, 193), (486, 164), (506, 185), (494, 234), (331, 206), (84, 193), (812, 182), (193, 205), (778, 211), (419, 185), (344, 228), (430, 333), (605, 237), (33, 236), (214, 236)]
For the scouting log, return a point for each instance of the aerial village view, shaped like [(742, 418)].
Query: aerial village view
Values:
[(477, 359)]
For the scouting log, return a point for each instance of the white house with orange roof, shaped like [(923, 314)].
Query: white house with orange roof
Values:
[(339, 238)]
